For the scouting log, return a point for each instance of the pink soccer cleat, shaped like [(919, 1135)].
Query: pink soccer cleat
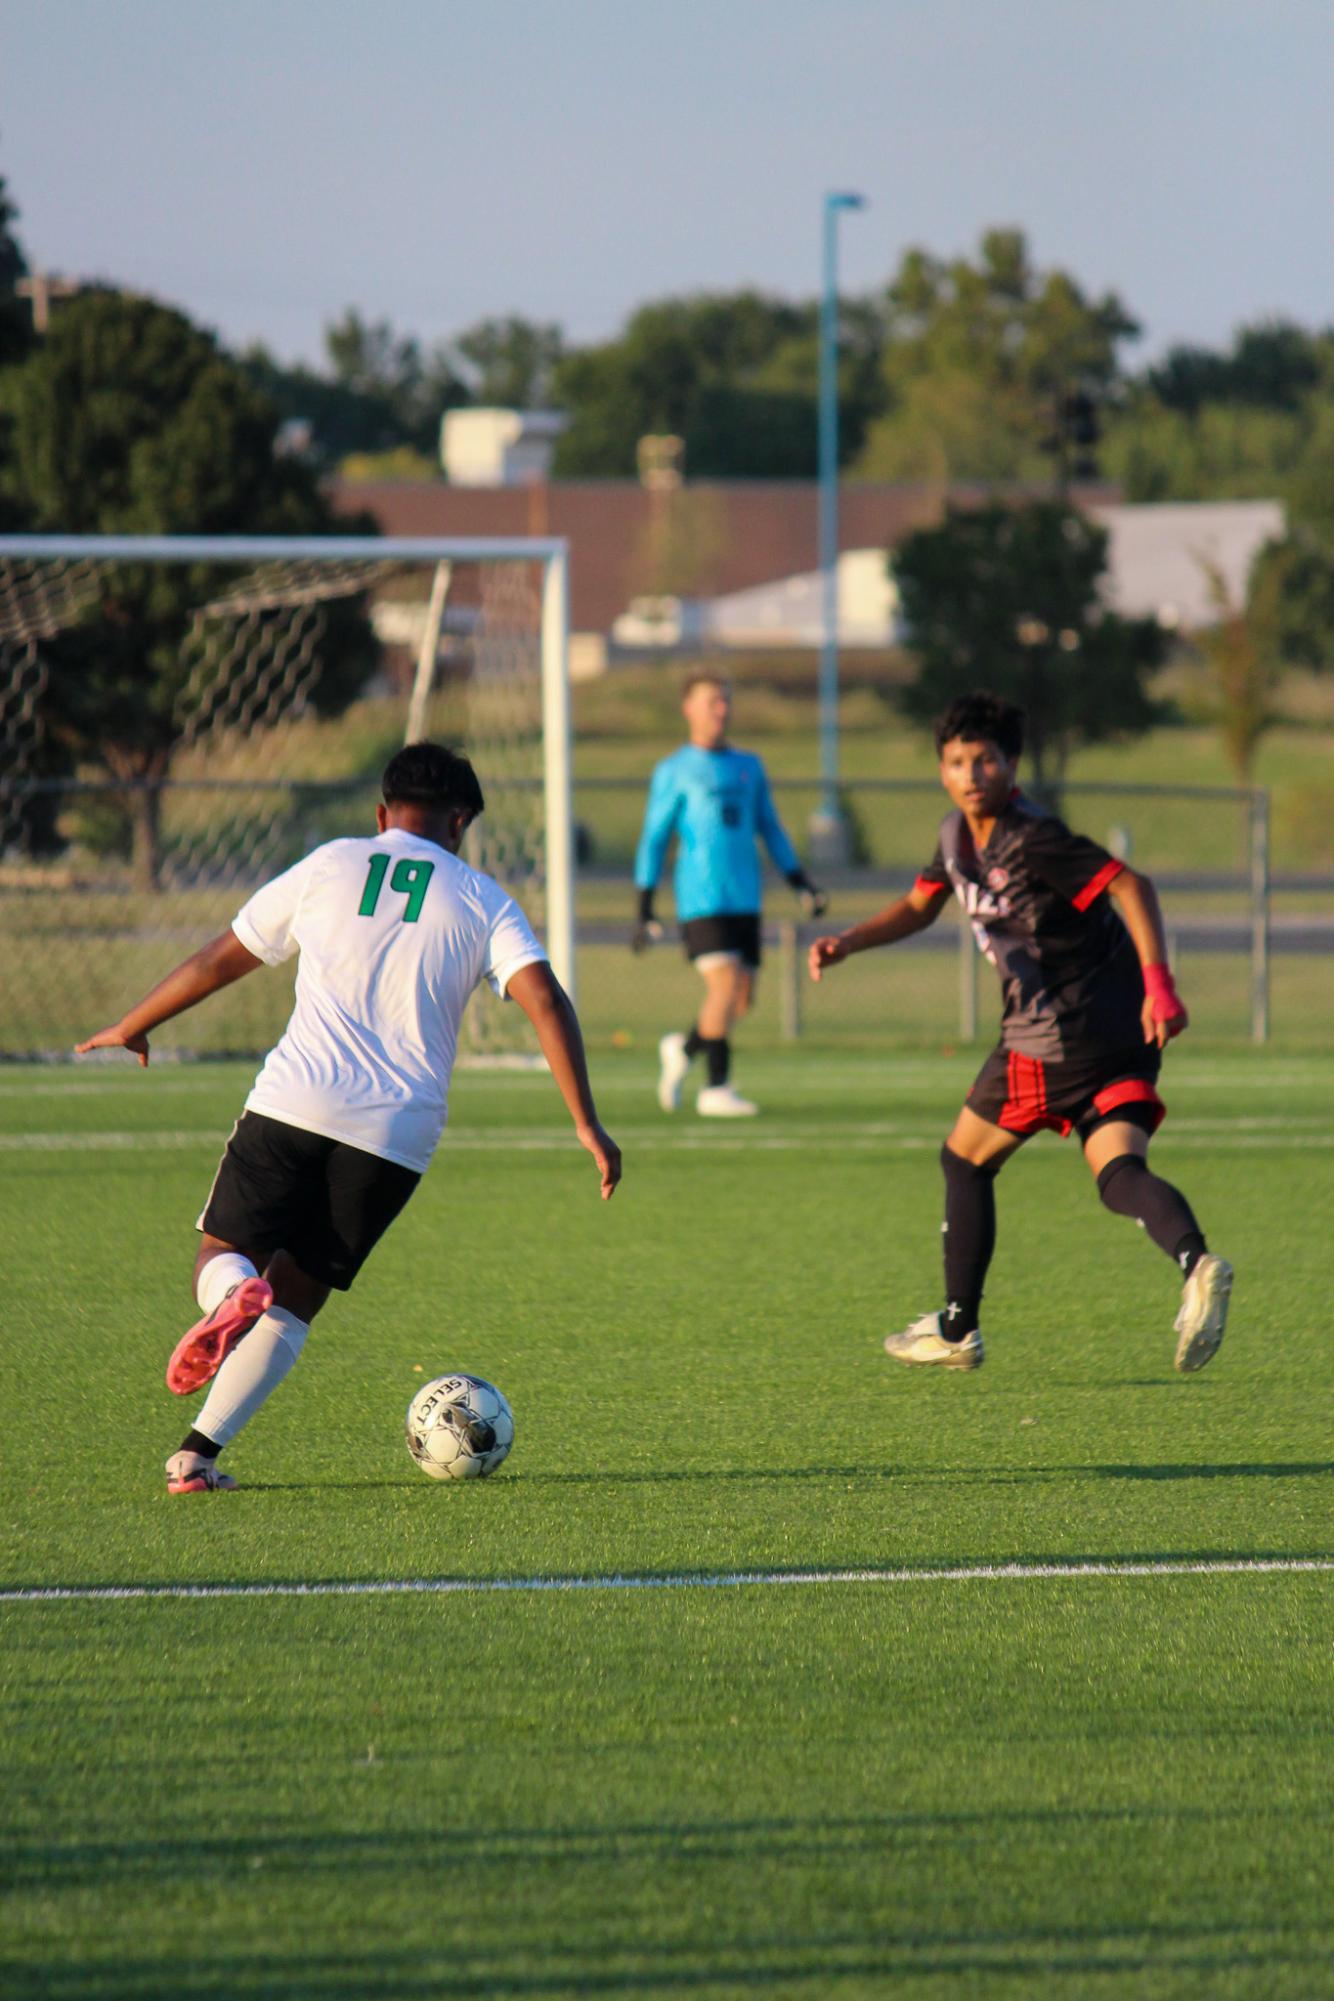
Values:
[(199, 1354), (191, 1473)]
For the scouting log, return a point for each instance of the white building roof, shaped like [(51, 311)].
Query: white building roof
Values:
[(1157, 555), (790, 611)]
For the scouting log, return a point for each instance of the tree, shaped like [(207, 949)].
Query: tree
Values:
[(733, 375), (342, 419), (15, 341), (1239, 424), (1273, 365), (508, 364), (1225, 451), (978, 361), (1294, 579), (15, 313), (1243, 655), (129, 420), (1008, 599), (389, 371)]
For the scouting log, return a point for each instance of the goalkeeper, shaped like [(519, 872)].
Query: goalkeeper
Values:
[(716, 802)]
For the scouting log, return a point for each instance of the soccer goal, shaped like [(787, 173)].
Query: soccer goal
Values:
[(182, 717)]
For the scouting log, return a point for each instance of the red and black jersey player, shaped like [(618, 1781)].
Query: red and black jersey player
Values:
[(1089, 1004)]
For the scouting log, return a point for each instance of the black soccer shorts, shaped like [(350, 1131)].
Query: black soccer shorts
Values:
[(325, 1203), (728, 935), (1026, 1094)]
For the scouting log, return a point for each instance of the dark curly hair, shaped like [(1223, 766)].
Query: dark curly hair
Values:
[(982, 718), (427, 774)]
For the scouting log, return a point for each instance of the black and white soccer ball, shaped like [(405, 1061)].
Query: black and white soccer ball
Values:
[(459, 1428)]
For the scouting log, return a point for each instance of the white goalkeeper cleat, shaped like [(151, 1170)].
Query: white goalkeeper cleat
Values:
[(720, 1101), (191, 1473), (674, 1067), (1203, 1315), (924, 1342)]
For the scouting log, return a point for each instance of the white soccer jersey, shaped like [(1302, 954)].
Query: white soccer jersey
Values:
[(394, 933)]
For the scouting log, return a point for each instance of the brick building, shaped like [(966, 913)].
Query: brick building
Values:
[(706, 539)]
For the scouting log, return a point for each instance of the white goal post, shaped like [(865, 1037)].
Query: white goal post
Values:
[(45, 581)]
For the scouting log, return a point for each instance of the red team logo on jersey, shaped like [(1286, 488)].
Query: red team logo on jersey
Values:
[(998, 879)]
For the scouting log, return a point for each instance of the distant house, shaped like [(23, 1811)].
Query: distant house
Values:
[(756, 541), (745, 533), (1163, 562), (787, 613), (480, 447)]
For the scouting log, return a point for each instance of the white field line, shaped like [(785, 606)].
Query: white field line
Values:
[(979, 1573), (1226, 1137)]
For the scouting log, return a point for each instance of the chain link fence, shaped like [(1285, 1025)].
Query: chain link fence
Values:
[(1251, 949), (79, 938)]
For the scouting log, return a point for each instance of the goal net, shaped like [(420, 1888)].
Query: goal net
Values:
[(182, 718)]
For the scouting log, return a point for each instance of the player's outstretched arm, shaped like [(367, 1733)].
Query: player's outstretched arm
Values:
[(215, 965), (1164, 1012), (547, 1005), (901, 919)]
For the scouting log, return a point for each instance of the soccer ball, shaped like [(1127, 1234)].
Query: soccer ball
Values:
[(459, 1428)]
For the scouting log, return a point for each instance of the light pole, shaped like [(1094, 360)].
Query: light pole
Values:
[(828, 834)]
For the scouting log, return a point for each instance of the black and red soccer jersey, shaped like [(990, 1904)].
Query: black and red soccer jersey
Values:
[(1036, 897)]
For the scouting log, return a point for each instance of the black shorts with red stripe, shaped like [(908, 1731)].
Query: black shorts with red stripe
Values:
[(1025, 1095)]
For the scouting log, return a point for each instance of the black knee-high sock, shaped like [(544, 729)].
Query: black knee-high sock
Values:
[(970, 1238), (694, 1041), (718, 1055), (1130, 1188)]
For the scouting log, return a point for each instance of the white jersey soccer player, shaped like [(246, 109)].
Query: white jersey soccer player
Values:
[(394, 933)]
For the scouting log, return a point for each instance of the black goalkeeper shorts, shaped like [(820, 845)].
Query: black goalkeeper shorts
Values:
[(325, 1203), (729, 935)]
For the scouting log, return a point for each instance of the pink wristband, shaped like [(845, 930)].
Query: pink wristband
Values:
[(1161, 987)]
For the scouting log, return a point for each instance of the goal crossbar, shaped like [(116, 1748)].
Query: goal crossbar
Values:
[(288, 548)]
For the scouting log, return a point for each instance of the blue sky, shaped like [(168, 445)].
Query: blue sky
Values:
[(264, 163)]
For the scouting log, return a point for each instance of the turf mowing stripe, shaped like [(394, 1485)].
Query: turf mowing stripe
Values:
[(861, 1138), (982, 1573)]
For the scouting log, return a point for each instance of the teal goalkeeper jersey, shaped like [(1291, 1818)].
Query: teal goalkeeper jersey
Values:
[(718, 805)]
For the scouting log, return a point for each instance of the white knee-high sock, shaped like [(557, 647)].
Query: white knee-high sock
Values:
[(218, 1277), (251, 1373)]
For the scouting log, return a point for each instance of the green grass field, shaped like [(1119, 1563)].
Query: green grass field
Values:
[(994, 1786)]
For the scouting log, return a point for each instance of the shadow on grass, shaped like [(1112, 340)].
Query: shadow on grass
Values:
[(956, 1476), (483, 1849), (970, 1476), (820, 1963), (1301, 1469)]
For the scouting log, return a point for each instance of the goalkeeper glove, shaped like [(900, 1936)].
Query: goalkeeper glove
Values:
[(814, 902), (648, 929)]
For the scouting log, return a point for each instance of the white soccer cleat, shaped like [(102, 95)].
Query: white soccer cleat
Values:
[(191, 1473), (673, 1071), (720, 1101), (1203, 1314), (924, 1342)]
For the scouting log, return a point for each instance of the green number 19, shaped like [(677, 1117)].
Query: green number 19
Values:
[(410, 879)]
